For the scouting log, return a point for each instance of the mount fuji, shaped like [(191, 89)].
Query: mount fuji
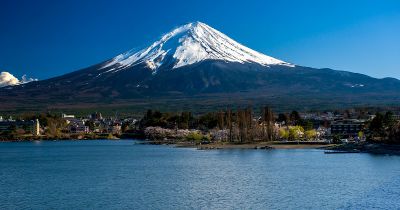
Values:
[(190, 44), (196, 66)]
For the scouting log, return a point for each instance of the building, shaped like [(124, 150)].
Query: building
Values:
[(78, 128), (30, 126), (96, 116), (67, 116), (347, 128), (77, 125)]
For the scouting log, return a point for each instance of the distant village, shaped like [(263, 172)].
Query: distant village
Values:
[(235, 126), (64, 126)]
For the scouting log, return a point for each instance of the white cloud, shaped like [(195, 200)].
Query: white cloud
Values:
[(7, 79), (26, 80)]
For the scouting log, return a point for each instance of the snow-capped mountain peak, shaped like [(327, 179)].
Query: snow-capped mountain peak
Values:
[(189, 44)]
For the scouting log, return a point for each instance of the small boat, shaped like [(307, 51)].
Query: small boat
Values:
[(342, 152)]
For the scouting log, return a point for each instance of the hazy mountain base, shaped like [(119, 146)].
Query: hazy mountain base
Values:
[(201, 103)]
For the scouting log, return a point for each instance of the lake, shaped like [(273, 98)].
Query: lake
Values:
[(126, 175)]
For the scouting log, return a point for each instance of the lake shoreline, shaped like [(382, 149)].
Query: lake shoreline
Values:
[(371, 148), (366, 147), (255, 145)]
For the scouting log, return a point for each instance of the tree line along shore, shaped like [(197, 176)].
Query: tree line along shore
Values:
[(218, 129)]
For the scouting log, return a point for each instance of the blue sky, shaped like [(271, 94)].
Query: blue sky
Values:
[(46, 38)]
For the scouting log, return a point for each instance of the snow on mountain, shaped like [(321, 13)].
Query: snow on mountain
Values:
[(189, 44)]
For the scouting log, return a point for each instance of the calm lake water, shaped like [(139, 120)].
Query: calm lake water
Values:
[(126, 175)]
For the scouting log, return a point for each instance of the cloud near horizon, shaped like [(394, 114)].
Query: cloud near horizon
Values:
[(7, 79)]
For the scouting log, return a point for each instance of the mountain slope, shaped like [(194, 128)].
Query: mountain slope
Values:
[(196, 64)]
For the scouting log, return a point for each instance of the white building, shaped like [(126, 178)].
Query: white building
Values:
[(67, 116)]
